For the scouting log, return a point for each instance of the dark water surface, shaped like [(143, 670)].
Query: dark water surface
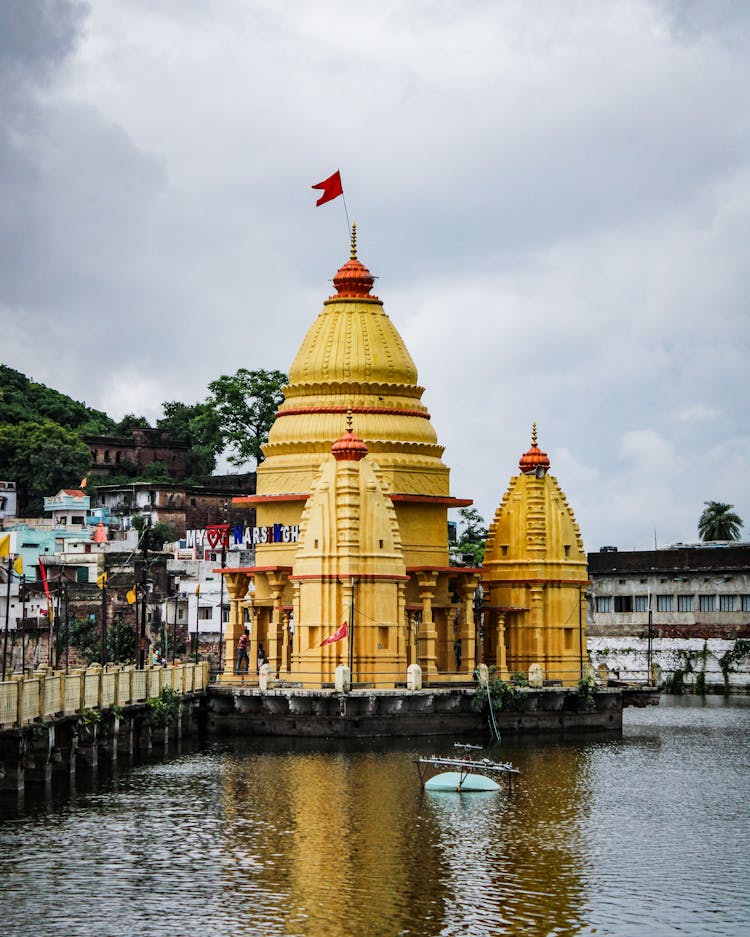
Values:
[(644, 834)]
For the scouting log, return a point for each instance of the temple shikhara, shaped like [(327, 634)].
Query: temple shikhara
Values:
[(356, 496)]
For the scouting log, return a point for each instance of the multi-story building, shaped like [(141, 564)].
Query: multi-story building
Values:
[(684, 610), (184, 507), (689, 590)]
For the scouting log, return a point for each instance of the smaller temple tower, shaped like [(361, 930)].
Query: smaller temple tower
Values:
[(535, 578), (349, 569)]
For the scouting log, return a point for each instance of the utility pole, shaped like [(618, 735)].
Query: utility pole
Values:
[(650, 640), (24, 597), (224, 541), (221, 603), (104, 619), (144, 594), (7, 613), (174, 627), (67, 630)]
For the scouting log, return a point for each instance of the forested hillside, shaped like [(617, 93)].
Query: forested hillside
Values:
[(40, 429), (22, 401)]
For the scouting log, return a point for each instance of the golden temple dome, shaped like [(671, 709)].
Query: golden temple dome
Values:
[(353, 358)]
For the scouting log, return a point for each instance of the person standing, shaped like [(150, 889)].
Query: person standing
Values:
[(261, 657), (242, 657)]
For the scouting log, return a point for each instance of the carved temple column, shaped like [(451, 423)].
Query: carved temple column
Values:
[(237, 584), (277, 580), (467, 628), (501, 662), (427, 581)]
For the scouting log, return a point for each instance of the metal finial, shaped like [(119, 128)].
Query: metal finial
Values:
[(353, 252), (533, 434), (349, 421)]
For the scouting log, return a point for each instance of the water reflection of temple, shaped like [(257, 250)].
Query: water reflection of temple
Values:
[(347, 842)]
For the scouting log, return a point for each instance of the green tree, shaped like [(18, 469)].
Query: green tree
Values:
[(121, 641), (24, 401), (472, 536), (130, 422), (196, 425), (84, 635), (156, 471), (42, 458), (719, 522), (246, 405), (158, 534)]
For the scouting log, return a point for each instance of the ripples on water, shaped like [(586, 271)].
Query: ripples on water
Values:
[(644, 834)]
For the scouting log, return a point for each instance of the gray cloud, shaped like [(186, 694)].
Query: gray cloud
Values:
[(556, 202)]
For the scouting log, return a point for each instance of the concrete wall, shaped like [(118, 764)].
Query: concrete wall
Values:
[(697, 659)]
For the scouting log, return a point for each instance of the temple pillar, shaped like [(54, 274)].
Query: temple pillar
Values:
[(428, 634), (237, 584), (535, 650), (501, 662), (285, 642), (467, 628), (277, 580)]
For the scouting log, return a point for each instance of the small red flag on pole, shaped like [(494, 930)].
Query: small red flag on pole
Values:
[(336, 636), (331, 187)]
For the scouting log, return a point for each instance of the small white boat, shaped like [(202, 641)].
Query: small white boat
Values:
[(471, 774)]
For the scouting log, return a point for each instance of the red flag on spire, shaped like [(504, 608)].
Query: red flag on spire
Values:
[(331, 187), (336, 636)]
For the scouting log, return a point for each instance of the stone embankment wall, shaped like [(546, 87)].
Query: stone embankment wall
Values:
[(699, 664)]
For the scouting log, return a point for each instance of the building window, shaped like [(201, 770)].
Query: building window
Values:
[(707, 603), (623, 603), (745, 603), (603, 603), (684, 603), (641, 603), (726, 603), (205, 614), (225, 615), (664, 603)]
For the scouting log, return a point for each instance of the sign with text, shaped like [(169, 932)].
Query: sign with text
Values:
[(239, 537)]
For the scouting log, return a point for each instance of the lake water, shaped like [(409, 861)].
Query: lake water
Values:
[(648, 833)]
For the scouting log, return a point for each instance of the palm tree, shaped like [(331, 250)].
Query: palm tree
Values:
[(719, 522)]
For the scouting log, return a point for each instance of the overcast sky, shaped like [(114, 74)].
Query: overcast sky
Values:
[(555, 197)]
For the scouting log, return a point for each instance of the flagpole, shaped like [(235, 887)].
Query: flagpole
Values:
[(351, 634), (346, 212)]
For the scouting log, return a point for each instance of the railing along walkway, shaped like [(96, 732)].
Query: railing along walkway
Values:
[(47, 694)]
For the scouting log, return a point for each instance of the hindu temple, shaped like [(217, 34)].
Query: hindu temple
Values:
[(352, 498)]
